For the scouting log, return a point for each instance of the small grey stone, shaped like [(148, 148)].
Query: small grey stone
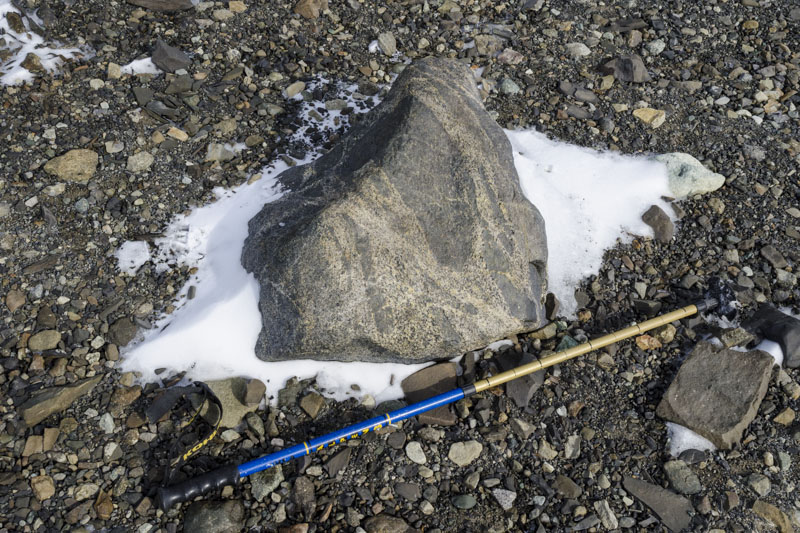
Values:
[(387, 43), (385, 524), (294, 89), (81, 206), (607, 516), (46, 402), (263, 483), (716, 393), (509, 86), (759, 483), (169, 58), (655, 47), (409, 491), (44, 340), (464, 501), (687, 176), (682, 478), (505, 498), (629, 67), (339, 461), (214, 517), (312, 404), (415, 453), (140, 162), (143, 95), (430, 381), (122, 331), (585, 95), (566, 487), (463, 453), (163, 5), (230, 393), (775, 258), (218, 152), (577, 50)]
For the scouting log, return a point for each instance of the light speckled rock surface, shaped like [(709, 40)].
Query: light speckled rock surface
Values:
[(410, 240)]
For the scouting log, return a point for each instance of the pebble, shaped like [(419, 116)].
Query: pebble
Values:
[(577, 50), (682, 478), (415, 453), (464, 453), (759, 483), (505, 498), (652, 117), (75, 165), (140, 162), (44, 340), (607, 516), (387, 43), (294, 89), (464, 501), (43, 487), (169, 58)]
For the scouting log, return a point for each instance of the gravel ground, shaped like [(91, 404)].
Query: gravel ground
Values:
[(716, 79)]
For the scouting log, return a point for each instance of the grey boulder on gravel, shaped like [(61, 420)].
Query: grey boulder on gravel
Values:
[(410, 240)]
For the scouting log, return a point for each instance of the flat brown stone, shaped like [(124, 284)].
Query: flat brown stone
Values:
[(716, 393), (428, 382), (54, 400)]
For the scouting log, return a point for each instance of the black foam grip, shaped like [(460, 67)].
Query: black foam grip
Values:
[(187, 490)]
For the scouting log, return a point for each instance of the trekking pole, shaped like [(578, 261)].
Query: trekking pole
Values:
[(231, 474)]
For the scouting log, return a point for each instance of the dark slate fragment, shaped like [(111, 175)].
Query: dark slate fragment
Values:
[(143, 95), (628, 67), (339, 461), (779, 327), (656, 218), (169, 58), (163, 5), (673, 510)]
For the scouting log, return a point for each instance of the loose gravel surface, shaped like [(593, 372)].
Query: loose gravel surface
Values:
[(717, 79)]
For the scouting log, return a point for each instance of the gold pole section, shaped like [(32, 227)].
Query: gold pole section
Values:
[(586, 347)]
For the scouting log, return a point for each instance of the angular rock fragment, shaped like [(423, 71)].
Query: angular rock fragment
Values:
[(687, 176), (673, 510), (716, 393), (310, 9), (54, 400), (163, 5), (628, 67), (428, 382), (76, 165), (169, 58), (220, 516), (410, 240)]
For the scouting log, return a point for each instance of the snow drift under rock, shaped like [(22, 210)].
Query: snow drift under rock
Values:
[(212, 336)]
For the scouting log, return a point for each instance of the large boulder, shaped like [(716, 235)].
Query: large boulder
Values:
[(410, 240)]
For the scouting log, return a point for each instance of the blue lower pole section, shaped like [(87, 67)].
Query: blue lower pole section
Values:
[(350, 432)]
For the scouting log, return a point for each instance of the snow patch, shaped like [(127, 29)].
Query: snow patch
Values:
[(131, 255), (590, 200), (141, 66), (28, 42), (682, 438)]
